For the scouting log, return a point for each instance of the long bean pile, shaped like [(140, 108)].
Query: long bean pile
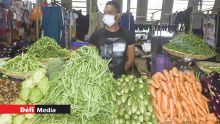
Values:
[(85, 83), (189, 44), (22, 63), (46, 48)]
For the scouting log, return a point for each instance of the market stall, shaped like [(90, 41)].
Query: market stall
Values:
[(173, 80)]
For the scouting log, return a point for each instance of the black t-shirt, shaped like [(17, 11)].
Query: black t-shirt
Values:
[(113, 45)]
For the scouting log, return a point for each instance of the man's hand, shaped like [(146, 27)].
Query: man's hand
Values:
[(130, 57)]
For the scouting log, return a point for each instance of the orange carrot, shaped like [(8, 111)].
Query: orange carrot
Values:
[(171, 108), (200, 111), (159, 113), (182, 95), (169, 84), (165, 102), (179, 108), (173, 94), (202, 118), (166, 115), (166, 74), (171, 75), (196, 120), (205, 103), (195, 87), (194, 107), (191, 75), (210, 122), (155, 77), (177, 85), (175, 72), (155, 84), (198, 103), (187, 110), (164, 87), (161, 76), (160, 119), (188, 78), (178, 120), (158, 96), (152, 91), (211, 117), (183, 88), (205, 98), (191, 89), (199, 97), (181, 76), (199, 86), (187, 87)]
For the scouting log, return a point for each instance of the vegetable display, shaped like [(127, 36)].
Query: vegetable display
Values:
[(86, 84), (177, 98), (211, 90), (22, 63), (46, 48), (9, 90), (133, 101), (190, 44)]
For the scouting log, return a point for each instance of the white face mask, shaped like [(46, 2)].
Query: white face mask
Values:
[(109, 20)]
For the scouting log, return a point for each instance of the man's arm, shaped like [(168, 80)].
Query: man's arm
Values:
[(130, 57)]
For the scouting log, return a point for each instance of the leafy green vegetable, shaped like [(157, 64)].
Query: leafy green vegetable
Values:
[(36, 95), (28, 83), (86, 83), (189, 44), (5, 119), (22, 63), (19, 119), (47, 48)]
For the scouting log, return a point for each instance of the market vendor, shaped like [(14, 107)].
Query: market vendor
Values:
[(114, 42)]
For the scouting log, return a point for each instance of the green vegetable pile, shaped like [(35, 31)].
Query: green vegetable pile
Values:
[(133, 102), (47, 48), (189, 44), (214, 69), (85, 83), (22, 63)]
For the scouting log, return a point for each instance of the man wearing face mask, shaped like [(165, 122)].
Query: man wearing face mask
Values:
[(114, 42)]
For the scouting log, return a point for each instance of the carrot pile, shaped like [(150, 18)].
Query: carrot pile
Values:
[(177, 98)]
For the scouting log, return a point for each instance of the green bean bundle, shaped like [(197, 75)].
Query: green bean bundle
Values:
[(85, 83), (22, 63), (46, 48), (190, 44)]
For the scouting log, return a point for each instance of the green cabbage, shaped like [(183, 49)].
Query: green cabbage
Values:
[(24, 94), (43, 85), (5, 119), (38, 76), (28, 83), (36, 95), (19, 119)]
